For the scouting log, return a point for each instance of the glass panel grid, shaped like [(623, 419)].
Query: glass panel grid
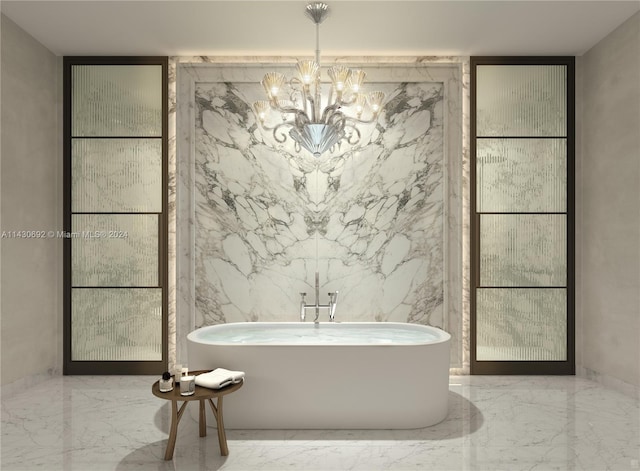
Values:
[(523, 250), (120, 324), (116, 175), (521, 324), (115, 250), (115, 310), (116, 100), (523, 134), (521, 175), (521, 100)]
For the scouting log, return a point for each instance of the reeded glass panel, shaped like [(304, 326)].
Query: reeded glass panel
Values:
[(523, 250), (114, 250), (521, 175), (521, 100), (116, 100), (521, 324), (120, 324), (116, 175)]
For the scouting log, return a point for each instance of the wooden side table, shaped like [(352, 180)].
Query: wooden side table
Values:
[(202, 395)]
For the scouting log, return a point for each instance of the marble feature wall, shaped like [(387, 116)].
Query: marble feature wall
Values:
[(370, 221), (381, 223)]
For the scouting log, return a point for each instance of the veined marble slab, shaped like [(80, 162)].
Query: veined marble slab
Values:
[(381, 222)]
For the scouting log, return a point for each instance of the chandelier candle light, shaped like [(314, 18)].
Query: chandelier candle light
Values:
[(311, 126)]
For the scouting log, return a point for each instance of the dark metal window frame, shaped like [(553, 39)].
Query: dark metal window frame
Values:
[(566, 367), (71, 367)]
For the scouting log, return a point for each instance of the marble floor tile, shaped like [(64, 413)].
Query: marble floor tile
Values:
[(494, 423)]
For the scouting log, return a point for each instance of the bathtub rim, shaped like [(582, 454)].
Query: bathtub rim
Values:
[(443, 336)]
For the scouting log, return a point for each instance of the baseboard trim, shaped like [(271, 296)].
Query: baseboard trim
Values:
[(610, 382), (9, 390)]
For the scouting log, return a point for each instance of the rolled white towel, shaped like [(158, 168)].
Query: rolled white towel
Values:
[(219, 378)]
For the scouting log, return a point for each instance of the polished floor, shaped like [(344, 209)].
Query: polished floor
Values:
[(494, 423)]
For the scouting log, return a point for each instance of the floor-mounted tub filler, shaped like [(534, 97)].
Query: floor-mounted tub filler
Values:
[(350, 375)]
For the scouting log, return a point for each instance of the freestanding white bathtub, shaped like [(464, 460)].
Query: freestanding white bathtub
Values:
[(352, 375)]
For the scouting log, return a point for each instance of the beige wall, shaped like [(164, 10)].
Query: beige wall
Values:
[(30, 199), (608, 202)]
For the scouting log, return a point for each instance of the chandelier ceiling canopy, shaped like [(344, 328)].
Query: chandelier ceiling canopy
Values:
[(299, 101)]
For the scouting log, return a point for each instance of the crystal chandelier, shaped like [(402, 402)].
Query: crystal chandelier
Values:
[(299, 101)]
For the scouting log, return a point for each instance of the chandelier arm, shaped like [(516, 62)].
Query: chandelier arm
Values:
[(305, 100), (282, 133), (297, 88), (295, 82), (297, 112), (311, 114), (355, 121), (268, 128), (356, 132), (338, 120), (330, 99), (317, 101), (352, 99), (301, 120), (330, 111), (275, 104), (272, 128)]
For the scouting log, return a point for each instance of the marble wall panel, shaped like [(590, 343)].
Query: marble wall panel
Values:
[(368, 219), (381, 223)]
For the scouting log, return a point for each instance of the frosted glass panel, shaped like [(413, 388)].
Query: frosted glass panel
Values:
[(521, 175), (120, 324), (521, 100), (116, 175), (521, 324), (116, 100), (523, 250), (114, 250)]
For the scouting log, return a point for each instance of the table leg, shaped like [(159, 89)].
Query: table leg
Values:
[(176, 415), (203, 419), (171, 444), (222, 437)]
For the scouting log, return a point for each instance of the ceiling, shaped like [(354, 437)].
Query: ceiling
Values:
[(380, 28)]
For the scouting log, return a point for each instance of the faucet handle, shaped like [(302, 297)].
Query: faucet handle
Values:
[(302, 295), (333, 304)]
